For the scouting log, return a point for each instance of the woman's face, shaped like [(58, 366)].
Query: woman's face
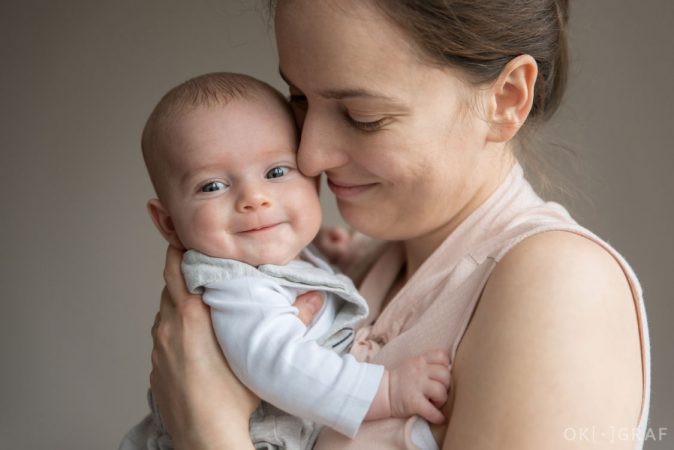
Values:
[(399, 139)]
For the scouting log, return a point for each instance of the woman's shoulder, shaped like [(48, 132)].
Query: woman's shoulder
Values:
[(560, 276), (554, 339), (560, 282), (561, 256)]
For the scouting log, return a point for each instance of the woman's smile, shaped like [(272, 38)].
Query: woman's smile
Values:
[(348, 190)]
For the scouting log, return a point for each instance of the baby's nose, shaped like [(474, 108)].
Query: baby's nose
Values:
[(252, 200)]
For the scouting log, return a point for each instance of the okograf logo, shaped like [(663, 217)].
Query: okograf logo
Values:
[(596, 434)]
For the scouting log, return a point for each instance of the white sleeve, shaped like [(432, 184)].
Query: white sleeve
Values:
[(263, 340)]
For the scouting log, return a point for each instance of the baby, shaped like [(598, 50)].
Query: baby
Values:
[(220, 150)]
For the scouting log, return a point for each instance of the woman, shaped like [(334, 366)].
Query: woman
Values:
[(413, 110)]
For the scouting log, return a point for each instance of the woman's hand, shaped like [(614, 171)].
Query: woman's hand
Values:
[(202, 403)]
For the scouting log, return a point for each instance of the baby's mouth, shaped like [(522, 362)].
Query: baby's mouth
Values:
[(260, 229)]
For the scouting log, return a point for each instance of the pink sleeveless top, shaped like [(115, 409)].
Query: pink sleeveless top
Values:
[(433, 309)]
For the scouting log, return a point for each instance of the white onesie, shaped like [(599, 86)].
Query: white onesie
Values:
[(273, 353)]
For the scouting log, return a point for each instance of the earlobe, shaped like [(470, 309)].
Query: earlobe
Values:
[(511, 98), (162, 220)]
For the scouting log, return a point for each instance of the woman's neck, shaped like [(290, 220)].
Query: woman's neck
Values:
[(418, 249)]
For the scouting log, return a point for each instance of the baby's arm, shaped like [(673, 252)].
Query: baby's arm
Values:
[(264, 343)]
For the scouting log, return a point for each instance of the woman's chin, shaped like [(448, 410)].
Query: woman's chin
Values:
[(369, 220)]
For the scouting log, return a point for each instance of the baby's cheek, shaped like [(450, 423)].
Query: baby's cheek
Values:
[(312, 216), (203, 230)]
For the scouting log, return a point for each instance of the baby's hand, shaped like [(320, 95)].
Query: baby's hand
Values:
[(419, 386), (335, 243)]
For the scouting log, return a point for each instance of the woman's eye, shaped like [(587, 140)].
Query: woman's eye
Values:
[(277, 172), (372, 125), (213, 186)]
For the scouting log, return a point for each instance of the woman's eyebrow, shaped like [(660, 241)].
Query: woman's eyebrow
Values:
[(341, 94)]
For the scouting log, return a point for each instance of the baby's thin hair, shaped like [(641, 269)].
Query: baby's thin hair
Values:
[(215, 89)]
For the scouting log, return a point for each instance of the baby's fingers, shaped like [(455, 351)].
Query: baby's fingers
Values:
[(436, 393), (429, 412), (338, 234), (437, 356), (439, 373)]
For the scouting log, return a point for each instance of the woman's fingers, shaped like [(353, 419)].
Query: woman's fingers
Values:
[(167, 306), (155, 324), (165, 310), (309, 304), (173, 277), (164, 317)]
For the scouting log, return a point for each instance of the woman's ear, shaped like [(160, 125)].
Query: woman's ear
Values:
[(511, 97), (162, 220)]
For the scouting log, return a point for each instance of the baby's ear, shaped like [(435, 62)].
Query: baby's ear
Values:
[(162, 220)]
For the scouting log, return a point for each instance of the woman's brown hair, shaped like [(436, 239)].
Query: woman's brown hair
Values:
[(480, 37)]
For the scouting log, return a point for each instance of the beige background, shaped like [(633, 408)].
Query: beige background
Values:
[(81, 263)]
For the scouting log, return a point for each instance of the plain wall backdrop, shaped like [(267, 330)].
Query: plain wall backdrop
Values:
[(81, 262)]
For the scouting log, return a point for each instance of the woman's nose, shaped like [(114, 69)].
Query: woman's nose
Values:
[(319, 148), (252, 199)]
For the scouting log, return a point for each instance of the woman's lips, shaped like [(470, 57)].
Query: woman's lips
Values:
[(347, 190)]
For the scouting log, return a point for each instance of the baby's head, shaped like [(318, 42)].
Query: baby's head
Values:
[(220, 150)]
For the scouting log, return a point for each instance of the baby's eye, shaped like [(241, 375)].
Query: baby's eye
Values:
[(213, 186), (277, 172)]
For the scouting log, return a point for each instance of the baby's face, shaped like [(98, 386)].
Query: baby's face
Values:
[(235, 190)]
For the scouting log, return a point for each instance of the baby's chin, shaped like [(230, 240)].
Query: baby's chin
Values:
[(278, 253), (276, 260)]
